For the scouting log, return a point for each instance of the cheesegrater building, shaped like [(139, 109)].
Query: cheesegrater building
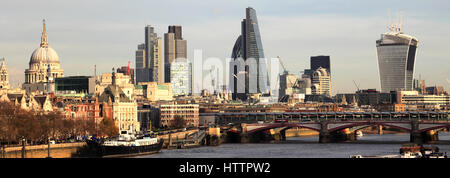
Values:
[(396, 59), (248, 68)]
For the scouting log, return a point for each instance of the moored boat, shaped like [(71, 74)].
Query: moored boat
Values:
[(125, 145)]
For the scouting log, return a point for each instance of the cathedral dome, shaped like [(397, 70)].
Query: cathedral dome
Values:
[(44, 55)]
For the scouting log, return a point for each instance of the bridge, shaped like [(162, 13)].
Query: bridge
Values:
[(334, 126)]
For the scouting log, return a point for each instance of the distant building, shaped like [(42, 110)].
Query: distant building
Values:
[(80, 108), (124, 70), (396, 59), (394, 107), (321, 82), (248, 68), (174, 48), (76, 84), (44, 67), (287, 83), (4, 79), (320, 61), (157, 92), (370, 97), (435, 90), (189, 112), (116, 105), (121, 80), (149, 58), (181, 77), (149, 117), (416, 101)]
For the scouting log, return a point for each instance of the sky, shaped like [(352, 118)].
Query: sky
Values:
[(106, 33)]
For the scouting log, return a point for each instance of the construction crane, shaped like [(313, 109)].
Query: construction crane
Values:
[(282, 65), (357, 86)]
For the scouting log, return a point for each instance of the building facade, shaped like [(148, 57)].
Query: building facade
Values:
[(116, 105), (175, 48), (44, 65), (321, 82), (248, 68), (181, 77), (149, 58), (127, 71), (320, 61), (4, 79), (188, 111), (76, 84), (396, 60)]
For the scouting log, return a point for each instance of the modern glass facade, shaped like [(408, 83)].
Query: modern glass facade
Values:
[(248, 47), (320, 61), (396, 59), (79, 84)]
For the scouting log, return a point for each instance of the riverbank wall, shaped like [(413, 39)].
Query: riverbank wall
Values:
[(62, 150)]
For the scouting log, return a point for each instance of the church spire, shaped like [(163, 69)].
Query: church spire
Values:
[(44, 38)]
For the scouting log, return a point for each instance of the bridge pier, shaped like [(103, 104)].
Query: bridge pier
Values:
[(283, 135), (324, 135), (422, 137), (380, 129), (213, 137)]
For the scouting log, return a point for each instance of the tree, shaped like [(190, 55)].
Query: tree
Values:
[(108, 127), (179, 122), (8, 131)]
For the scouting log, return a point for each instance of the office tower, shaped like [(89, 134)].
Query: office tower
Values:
[(177, 31), (320, 61), (174, 48), (287, 84), (4, 79), (396, 59), (149, 58), (181, 80), (248, 70), (142, 72), (153, 54), (321, 82)]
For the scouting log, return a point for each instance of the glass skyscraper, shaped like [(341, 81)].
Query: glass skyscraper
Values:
[(396, 59), (248, 68)]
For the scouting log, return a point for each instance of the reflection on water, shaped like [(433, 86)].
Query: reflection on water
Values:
[(303, 147)]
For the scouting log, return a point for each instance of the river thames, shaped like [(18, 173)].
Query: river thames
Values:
[(303, 147)]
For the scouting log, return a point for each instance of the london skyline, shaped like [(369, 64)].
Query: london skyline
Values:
[(82, 33)]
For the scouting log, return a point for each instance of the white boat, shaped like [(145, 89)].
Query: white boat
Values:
[(359, 133), (376, 156), (411, 155)]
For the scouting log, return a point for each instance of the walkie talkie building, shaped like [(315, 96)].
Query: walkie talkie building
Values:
[(396, 59), (248, 68)]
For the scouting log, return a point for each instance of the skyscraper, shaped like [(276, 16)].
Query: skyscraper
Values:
[(148, 58), (320, 61), (174, 48), (248, 69), (321, 82), (396, 59)]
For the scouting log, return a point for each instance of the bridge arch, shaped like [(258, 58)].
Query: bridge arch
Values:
[(287, 126), (350, 125), (434, 128)]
